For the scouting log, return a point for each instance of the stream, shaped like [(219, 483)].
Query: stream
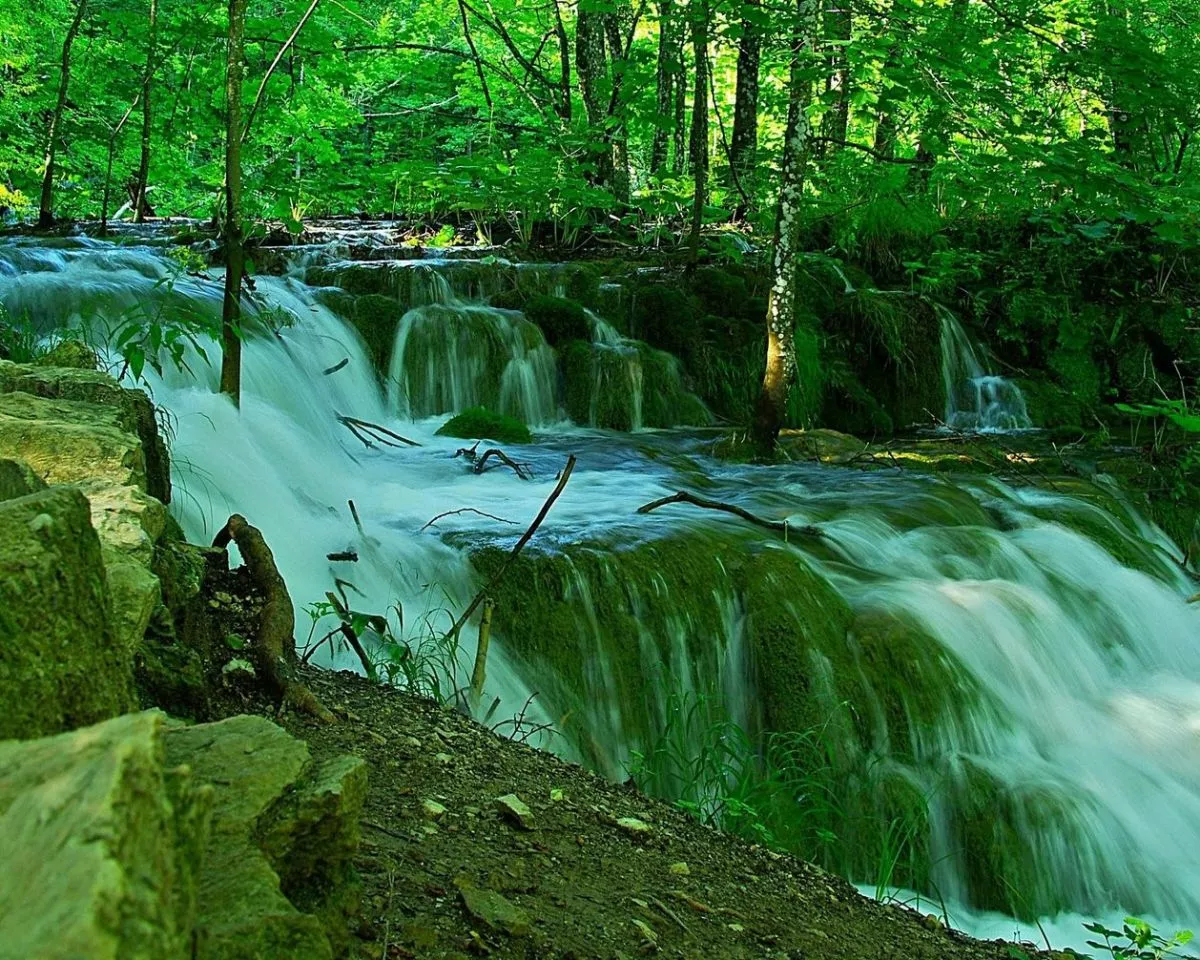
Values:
[(1019, 664)]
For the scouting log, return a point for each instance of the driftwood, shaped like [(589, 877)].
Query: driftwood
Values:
[(479, 461), (525, 537), (336, 367), (372, 433), (347, 556), (779, 526), (451, 513), (274, 647)]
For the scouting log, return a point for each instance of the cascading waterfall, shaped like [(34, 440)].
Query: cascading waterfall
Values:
[(975, 399), (1020, 666)]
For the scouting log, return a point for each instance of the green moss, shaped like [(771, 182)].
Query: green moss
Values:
[(481, 423), (512, 299), (374, 316), (1076, 371), (583, 284), (724, 293), (559, 319), (1051, 406), (665, 317)]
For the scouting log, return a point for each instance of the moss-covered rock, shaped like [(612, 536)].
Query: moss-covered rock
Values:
[(511, 299), (374, 317), (480, 423), (59, 665), (134, 412), (277, 865), (17, 480), (559, 319), (73, 354), (101, 844)]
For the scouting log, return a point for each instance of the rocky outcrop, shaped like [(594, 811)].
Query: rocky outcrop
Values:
[(101, 845), (141, 840), (277, 877), (60, 663)]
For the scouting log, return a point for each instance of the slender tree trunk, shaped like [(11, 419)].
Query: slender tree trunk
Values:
[(780, 369), (112, 146), (932, 141), (235, 250), (664, 87), (837, 121), (46, 211), (589, 65), (143, 174), (679, 128), (564, 61), (743, 143), (699, 141), (616, 24)]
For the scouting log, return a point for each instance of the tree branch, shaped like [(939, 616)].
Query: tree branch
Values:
[(779, 526)]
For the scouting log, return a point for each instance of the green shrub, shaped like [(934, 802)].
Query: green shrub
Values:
[(479, 423)]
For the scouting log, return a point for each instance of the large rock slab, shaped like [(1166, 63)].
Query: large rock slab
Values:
[(277, 879), (68, 441), (135, 411), (101, 845), (59, 665)]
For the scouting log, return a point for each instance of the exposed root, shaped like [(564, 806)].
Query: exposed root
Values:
[(274, 647), (779, 526)]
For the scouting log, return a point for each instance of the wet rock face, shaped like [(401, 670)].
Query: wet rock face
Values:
[(100, 843), (59, 665)]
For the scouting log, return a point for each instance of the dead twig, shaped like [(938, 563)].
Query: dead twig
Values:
[(521, 470), (479, 672), (451, 513), (490, 586), (779, 526), (374, 431), (336, 367)]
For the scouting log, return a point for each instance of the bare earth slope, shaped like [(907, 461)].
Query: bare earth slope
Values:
[(447, 873)]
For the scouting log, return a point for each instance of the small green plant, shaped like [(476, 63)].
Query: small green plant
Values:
[(1136, 940)]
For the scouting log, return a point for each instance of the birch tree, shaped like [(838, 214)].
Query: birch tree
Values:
[(781, 299), (46, 209)]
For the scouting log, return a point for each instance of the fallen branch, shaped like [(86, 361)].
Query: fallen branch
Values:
[(779, 526), (336, 367), (451, 513), (519, 469), (525, 538), (274, 647), (374, 431), (347, 556), (478, 461), (352, 638)]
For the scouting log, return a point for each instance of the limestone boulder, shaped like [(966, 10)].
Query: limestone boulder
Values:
[(134, 409), (59, 665), (69, 441), (101, 845), (277, 879)]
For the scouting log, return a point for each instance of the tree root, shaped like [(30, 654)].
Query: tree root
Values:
[(274, 647), (779, 526)]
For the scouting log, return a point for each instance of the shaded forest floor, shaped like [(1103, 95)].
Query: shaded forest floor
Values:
[(447, 873)]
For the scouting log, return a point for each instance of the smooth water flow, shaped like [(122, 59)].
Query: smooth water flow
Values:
[(976, 399), (1023, 663)]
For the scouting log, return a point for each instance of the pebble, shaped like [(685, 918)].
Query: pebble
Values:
[(680, 869), (635, 827), (514, 809), (432, 810)]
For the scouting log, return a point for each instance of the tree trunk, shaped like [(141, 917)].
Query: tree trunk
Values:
[(837, 121), (699, 141), (564, 63), (679, 127), (235, 251), (589, 65), (664, 89), (932, 141), (46, 211), (780, 371), (143, 174), (743, 143), (616, 24)]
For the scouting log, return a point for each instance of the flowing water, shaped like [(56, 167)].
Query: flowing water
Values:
[(1018, 666), (976, 399)]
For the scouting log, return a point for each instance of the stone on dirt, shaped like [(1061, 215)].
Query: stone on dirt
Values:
[(494, 910), (516, 811)]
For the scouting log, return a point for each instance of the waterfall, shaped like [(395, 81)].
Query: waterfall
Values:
[(975, 399), (1017, 670)]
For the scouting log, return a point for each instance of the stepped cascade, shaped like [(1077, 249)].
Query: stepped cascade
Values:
[(1008, 674)]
